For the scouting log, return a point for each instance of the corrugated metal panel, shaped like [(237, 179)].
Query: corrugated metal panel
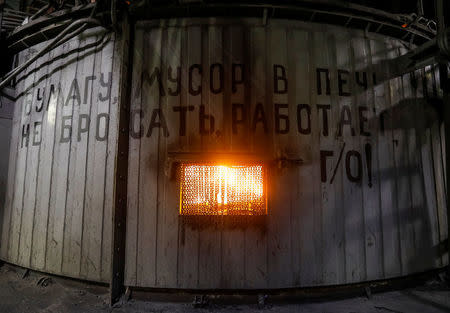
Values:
[(367, 203), (59, 198)]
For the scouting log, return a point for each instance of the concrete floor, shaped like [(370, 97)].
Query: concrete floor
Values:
[(24, 291)]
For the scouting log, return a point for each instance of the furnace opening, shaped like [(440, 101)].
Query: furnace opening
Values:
[(213, 189)]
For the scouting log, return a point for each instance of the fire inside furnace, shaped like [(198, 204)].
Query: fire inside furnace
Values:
[(222, 190)]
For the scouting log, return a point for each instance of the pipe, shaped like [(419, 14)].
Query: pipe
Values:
[(38, 13), (443, 42), (420, 10), (55, 42)]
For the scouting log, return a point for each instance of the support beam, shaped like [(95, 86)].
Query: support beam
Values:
[(116, 287), (441, 8), (445, 85)]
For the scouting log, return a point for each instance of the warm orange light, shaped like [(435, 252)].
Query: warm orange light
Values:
[(222, 190)]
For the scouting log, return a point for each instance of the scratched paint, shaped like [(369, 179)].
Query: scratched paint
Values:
[(355, 190), (57, 215), (351, 156)]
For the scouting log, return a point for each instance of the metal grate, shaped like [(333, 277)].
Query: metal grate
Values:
[(209, 189)]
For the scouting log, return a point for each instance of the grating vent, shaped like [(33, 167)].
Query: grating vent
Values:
[(222, 190)]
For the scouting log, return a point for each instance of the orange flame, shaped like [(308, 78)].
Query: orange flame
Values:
[(222, 190)]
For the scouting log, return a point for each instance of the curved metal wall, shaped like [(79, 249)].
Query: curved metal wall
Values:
[(359, 194), (59, 197), (6, 116), (368, 201)]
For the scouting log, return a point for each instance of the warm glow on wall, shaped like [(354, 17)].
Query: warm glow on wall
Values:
[(222, 190)]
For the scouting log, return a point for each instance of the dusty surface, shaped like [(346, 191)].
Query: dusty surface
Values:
[(23, 291)]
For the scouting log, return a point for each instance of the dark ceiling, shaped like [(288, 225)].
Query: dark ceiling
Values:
[(400, 6), (393, 6)]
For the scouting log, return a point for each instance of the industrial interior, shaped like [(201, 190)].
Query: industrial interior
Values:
[(266, 150)]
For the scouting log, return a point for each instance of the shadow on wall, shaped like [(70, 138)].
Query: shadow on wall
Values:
[(415, 126)]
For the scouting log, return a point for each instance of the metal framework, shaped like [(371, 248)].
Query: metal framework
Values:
[(412, 28)]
